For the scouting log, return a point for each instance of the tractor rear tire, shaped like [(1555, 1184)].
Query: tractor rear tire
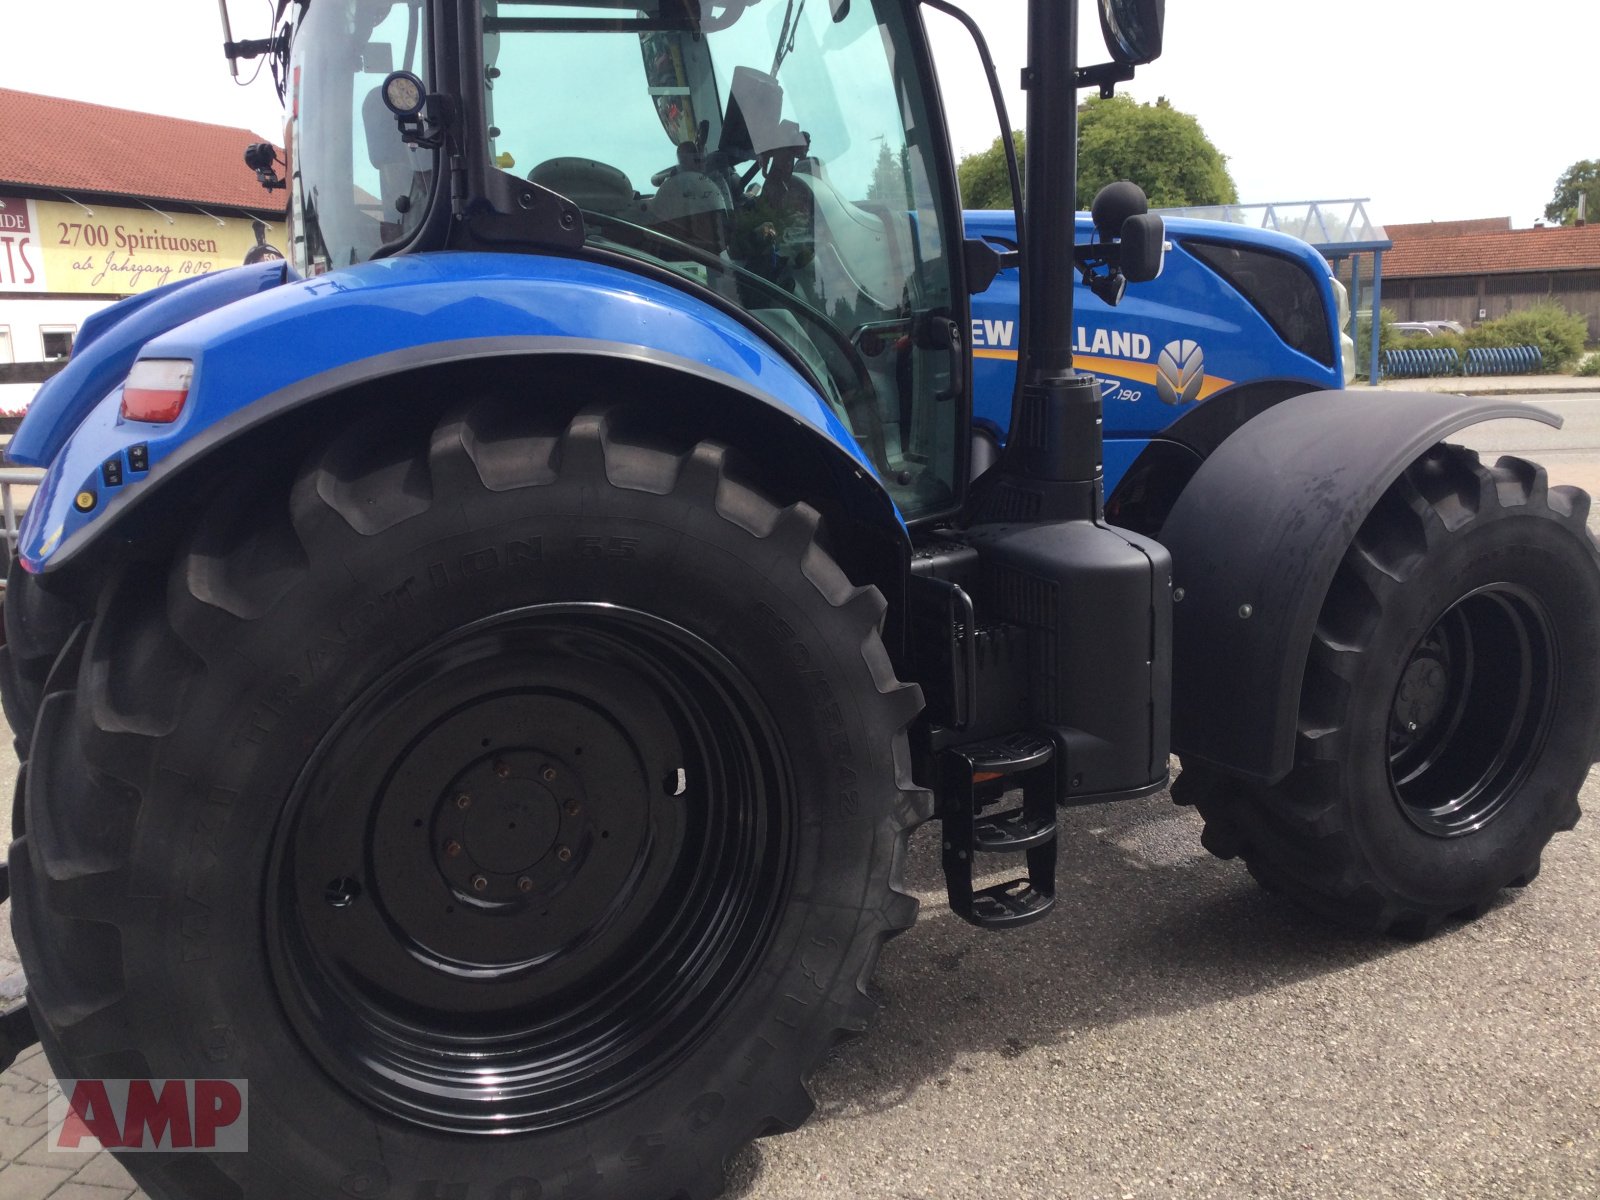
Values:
[(1450, 710), (519, 810), (38, 625)]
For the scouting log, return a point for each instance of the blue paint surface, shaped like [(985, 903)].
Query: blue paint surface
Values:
[(1189, 302), (246, 348), (109, 342)]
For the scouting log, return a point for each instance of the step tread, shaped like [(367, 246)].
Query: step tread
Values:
[(1011, 831), (1009, 755), (1009, 905)]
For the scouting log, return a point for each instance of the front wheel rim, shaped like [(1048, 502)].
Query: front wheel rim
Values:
[(1472, 710), (528, 869)]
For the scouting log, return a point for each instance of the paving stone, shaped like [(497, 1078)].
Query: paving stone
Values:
[(20, 1181), (104, 1171), (21, 1105), (82, 1191), (39, 1154), (33, 1065), (15, 1140)]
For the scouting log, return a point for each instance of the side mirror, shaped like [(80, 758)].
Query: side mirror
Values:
[(1133, 29), (1144, 248), (1132, 246), (1114, 204)]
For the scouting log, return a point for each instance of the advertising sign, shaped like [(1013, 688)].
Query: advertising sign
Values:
[(101, 250), (21, 256)]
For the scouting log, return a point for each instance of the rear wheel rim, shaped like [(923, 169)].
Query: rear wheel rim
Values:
[(529, 868), (1472, 710)]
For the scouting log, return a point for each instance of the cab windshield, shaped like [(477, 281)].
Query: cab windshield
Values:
[(773, 151)]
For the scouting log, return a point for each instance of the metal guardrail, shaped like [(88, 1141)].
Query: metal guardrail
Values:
[(14, 477), (1421, 362)]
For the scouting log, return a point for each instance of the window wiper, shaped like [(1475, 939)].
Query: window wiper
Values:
[(786, 35)]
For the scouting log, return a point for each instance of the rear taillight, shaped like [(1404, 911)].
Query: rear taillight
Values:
[(156, 389)]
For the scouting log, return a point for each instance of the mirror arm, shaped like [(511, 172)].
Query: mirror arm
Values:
[(1106, 76), (1100, 265)]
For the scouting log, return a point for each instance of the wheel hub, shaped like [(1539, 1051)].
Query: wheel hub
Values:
[(1424, 688), (504, 829), (1471, 709), (528, 867)]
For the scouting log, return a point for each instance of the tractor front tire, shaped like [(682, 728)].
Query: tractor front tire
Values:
[(1450, 710), (517, 809)]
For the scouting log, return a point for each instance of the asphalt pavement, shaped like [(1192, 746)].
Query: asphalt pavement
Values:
[(1174, 1032), (1170, 1032)]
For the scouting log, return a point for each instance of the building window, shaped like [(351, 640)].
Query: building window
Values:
[(7, 354), (57, 341)]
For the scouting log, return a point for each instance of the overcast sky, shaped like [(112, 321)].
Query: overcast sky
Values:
[(1436, 111)]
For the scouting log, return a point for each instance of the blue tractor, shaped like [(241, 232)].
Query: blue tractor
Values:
[(1239, 319), (476, 680)]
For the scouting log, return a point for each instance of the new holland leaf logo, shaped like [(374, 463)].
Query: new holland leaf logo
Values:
[(1180, 372)]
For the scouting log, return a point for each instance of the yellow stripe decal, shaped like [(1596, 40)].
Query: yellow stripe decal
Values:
[(1116, 368)]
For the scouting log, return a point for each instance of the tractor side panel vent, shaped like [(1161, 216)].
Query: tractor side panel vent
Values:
[(1008, 502), (1034, 603)]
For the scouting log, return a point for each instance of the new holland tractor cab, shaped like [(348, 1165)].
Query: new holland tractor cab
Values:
[(476, 682)]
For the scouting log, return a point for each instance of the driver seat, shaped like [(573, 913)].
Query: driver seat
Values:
[(692, 207), (596, 186)]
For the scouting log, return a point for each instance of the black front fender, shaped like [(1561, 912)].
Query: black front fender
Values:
[(1255, 540)]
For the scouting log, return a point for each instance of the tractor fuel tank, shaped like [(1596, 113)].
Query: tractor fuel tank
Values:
[(1098, 604)]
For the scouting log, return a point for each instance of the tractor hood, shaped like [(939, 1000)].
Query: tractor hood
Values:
[(110, 341)]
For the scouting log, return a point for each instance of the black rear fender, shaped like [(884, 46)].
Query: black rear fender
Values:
[(1255, 539)]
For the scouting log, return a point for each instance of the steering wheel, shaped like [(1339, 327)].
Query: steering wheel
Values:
[(858, 400)]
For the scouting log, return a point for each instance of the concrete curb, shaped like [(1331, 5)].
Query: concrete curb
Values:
[(1497, 385)]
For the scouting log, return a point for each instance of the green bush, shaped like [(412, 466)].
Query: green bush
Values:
[(1388, 338), (1590, 366), (1558, 333), (1445, 340)]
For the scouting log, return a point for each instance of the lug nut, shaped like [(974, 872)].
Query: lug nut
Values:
[(524, 884), (564, 854), (502, 769), (453, 849), (572, 808), (479, 883), (548, 774), (463, 801)]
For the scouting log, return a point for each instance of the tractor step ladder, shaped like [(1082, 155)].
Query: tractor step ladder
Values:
[(1029, 829)]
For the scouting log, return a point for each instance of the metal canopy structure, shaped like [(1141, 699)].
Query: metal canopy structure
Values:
[(1340, 230)]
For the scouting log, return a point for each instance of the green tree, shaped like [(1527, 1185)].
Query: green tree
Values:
[(1558, 333), (982, 176), (891, 176), (1161, 149), (1580, 179)]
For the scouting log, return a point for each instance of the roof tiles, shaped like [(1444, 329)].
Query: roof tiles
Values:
[(70, 146), (1448, 228), (1506, 252)]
